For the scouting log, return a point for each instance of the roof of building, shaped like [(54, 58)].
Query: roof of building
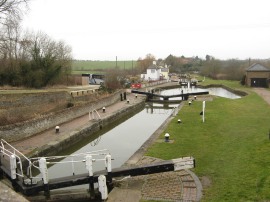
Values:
[(257, 68), (153, 67), (164, 70)]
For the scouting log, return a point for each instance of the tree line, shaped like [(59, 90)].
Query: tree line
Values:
[(231, 69), (29, 59), (36, 60)]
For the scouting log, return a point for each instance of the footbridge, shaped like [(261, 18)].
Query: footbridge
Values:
[(184, 96), (11, 167)]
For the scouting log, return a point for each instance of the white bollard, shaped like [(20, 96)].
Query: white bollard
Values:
[(43, 170), (57, 128), (102, 187), (167, 137)]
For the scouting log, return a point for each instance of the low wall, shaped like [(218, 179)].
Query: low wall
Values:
[(26, 129)]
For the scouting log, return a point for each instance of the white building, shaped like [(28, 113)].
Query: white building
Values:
[(155, 73)]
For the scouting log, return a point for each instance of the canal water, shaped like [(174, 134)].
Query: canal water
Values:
[(221, 92), (123, 139)]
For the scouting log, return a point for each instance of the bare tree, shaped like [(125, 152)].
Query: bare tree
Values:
[(9, 49), (211, 68), (112, 81), (10, 16), (146, 62), (64, 56), (12, 8)]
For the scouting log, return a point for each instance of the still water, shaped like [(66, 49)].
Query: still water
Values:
[(122, 141), (221, 92)]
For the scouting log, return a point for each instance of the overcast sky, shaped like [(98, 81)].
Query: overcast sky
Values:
[(129, 29)]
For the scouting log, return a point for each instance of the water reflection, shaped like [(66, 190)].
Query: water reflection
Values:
[(159, 107), (221, 92)]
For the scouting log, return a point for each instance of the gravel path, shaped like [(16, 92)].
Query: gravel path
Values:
[(264, 93)]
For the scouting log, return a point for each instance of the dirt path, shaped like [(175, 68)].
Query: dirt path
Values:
[(264, 93)]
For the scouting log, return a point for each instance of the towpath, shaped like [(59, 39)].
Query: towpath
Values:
[(264, 93)]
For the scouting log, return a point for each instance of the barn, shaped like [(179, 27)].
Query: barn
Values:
[(258, 75)]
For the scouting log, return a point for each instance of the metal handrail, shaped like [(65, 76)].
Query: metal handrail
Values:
[(35, 160), (16, 153)]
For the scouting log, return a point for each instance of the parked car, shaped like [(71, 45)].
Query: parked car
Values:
[(136, 85)]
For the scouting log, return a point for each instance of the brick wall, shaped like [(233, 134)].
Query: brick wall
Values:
[(250, 75)]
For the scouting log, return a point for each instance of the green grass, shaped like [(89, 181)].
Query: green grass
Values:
[(232, 147), (231, 84), (86, 66)]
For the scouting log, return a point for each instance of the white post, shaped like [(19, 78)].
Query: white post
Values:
[(43, 170), (89, 167), (13, 167), (102, 187), (203, 110), (108, 163), (72, 164), (89, 164)]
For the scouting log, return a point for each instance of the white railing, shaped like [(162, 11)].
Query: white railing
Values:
[(70, 160), (15, 158), (10, 157), (94, 115)]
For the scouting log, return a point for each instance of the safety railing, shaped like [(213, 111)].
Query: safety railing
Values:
[(11, 160), (11, 163), (94, 115)]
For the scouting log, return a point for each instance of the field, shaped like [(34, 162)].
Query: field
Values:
[(231, 147), (87, 66)]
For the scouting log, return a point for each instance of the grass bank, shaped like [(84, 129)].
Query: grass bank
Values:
[(231, 147)]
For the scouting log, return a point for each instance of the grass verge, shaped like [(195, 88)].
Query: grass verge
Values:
[(231, 148)]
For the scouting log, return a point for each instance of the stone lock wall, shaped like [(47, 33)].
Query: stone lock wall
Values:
[(18, 107), (28, 128)]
